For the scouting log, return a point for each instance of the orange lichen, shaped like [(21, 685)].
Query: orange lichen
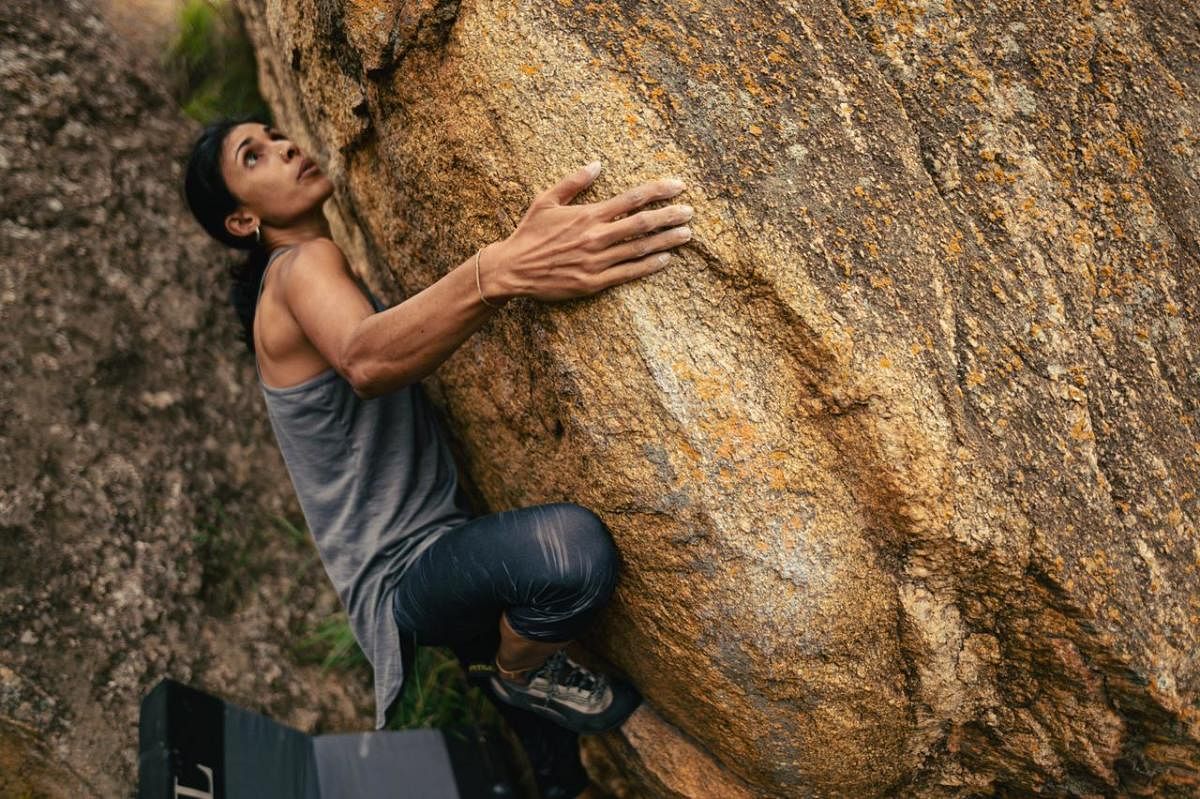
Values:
[(1080, 431), (953, 247)]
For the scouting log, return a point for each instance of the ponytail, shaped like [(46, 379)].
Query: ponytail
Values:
[(245, 278)]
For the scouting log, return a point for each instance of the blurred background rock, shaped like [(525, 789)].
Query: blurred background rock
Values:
[(147, 525)]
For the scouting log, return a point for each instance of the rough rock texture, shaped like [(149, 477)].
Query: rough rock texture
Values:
[(901, 456), (137, 468)]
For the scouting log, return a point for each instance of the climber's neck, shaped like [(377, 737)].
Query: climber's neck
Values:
[(313, 226)]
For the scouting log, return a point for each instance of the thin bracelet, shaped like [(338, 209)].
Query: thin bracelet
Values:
[(477, 283)]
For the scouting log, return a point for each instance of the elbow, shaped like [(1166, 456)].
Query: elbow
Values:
[(371, 377), (355, 369), (359, 379), (369, 382), (355, 366)]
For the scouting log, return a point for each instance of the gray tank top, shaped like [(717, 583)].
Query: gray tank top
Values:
[(377, 484)]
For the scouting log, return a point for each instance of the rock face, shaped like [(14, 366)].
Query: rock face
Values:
[(136, 460), (901, 455)]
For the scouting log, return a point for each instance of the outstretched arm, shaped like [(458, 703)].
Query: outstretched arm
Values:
[(558, 251)]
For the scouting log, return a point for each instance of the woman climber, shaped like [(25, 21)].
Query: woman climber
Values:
[(367, 456)]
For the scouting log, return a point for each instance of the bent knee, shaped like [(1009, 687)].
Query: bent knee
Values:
[(583, 549)]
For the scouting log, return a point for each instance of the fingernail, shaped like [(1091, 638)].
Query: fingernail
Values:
[(662, 259), (675, 184), (593, 168), (686, 210), (684, 231)]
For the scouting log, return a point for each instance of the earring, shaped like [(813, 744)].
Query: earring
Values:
[(257, 234)]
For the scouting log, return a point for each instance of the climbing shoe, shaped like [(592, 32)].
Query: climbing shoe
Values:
[(571, 695)]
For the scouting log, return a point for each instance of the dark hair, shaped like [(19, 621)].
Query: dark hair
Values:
[(210, 201)]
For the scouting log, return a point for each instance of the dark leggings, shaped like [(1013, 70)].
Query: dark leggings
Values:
[(551, 568)]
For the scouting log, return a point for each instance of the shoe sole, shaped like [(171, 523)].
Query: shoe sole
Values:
[(575, 724), (508, 697)]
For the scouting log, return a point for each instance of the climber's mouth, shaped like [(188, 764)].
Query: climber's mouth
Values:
[(306, 167)]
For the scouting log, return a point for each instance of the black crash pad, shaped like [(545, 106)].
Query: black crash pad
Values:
[(192, 745)]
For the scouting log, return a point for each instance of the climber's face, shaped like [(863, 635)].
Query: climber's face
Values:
[(277, 184)]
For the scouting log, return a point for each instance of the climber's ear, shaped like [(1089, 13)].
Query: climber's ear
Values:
[(241, 224)]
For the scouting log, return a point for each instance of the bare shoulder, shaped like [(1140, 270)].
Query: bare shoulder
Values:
[(322, 293), (319, 254), (322, 306), (316, 268)]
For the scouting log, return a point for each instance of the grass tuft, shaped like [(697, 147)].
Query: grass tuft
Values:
[(210, 63), (436, 694)]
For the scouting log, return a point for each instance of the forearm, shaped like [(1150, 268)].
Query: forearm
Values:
[(398, 346), (558, 252)]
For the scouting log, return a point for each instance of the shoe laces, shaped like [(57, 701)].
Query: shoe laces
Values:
[(560, 670)]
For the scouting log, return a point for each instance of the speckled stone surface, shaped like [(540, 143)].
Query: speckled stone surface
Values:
[(137, 464), (901, 455)]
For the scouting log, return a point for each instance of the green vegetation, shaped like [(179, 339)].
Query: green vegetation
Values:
[(436, 694), (332, 644), (234, 552), (211, 65), (233, 555), (439, 696)]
